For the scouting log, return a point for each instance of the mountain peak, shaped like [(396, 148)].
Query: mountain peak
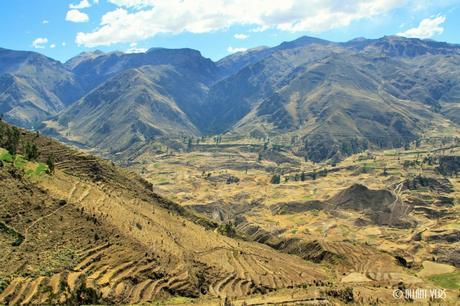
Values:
[(301, 42)]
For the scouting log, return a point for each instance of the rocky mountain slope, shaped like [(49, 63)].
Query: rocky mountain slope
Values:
[(130, 245), (334, 99), (33, 87)]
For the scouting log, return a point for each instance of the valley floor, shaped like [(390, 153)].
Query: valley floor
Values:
[(418, 242), (90, 232)]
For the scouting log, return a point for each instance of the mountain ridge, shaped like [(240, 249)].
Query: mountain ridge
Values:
[(264, 91)]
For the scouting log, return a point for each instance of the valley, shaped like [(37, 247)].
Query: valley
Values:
[(312, 172)]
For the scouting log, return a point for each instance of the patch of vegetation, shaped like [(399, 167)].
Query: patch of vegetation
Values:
[(30, 151), (50, 164), (84, 295), (227, 229), (19, 238), (3, 284), (448, 280), (276, 179), (11, 144), (40, 169), (64, 259), (19, 161), (5, 156)]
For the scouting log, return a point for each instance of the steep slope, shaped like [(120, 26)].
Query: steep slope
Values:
[(341, 98), (398, 46), (335, 99), (134, 106), (235, 62), (93, 69), (130, 245), (33, 87), (234, 97), (339, 105)]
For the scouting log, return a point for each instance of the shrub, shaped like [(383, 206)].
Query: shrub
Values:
[(276, 179), (31, 151)]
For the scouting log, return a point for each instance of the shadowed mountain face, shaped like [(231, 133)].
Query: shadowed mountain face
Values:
[(335, 98), (133, 107)]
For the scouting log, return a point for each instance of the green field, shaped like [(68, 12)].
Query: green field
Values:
[(31, 169), (448, 280)]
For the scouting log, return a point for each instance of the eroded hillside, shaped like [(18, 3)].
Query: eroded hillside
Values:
[(380, 217), (93, 233)]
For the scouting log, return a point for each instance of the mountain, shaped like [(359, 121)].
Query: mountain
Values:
[(340, 98), (134, 106), (33, 87), (93, 69), (398, 46), (334, 99), (234, 62)]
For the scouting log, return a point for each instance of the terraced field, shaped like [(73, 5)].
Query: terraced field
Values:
[(126, 244), (94, 233), (372, 218)]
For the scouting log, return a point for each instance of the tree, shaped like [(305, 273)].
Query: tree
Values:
[(190, 145), (31, 151), (313, 175), (2, 133), (12, 139), (227, 229), (259, 157), (50, 164), (385, 172), (302, 176), (276, 179), (265, 146)]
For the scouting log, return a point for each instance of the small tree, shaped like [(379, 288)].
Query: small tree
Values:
[(50, 164), (302, 176), (31, 151), (276, 179), (12, 139), (189, 145)]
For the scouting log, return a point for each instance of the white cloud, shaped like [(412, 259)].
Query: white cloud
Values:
[(241, 36), (136, 20), (76, 16), (52, 46), (40, 42), (234, 50), (134, 49), (82, 5), (63, 44), (427, 28), (96, 1), (45, 21)]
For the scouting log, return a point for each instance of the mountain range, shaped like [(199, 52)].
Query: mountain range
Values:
[(325, 99)]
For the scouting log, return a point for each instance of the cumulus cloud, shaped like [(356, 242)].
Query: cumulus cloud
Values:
[(64, 44), (134, 49), (427, 28), (241, 36), (76, 16), (82, 5), (234, 50), (45, 21), (136, 20), (52, 46), (40, 42)]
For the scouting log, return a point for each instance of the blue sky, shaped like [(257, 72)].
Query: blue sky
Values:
[(61, 29)]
